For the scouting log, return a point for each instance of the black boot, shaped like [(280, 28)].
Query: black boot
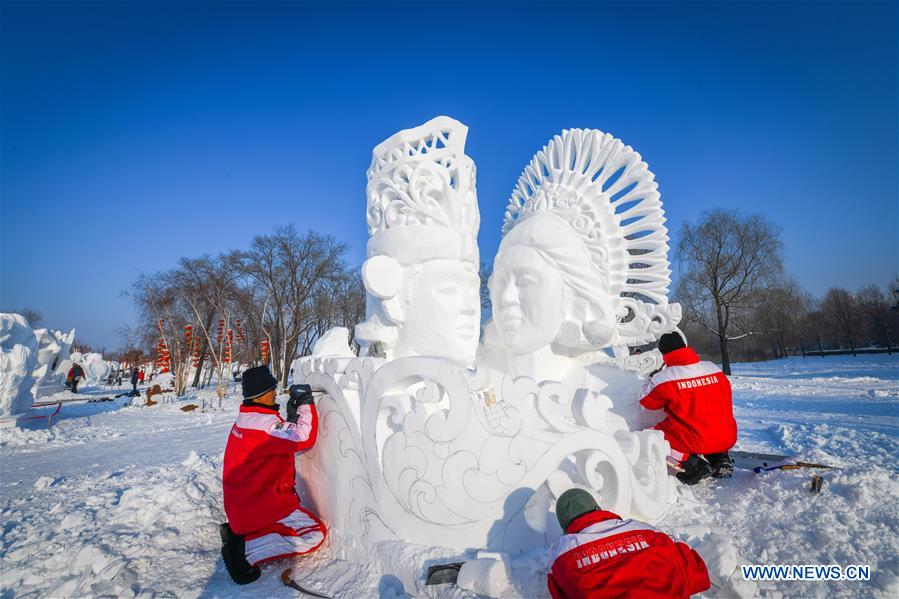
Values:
[(722, 466), (233, 552), (695, 469)]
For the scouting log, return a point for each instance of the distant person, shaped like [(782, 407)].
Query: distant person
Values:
[(135, 377), (600, 555), (140, 376), (265, 519), (76, 373), (696, 397)]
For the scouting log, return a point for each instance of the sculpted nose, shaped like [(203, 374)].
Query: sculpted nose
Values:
[(509, 293)]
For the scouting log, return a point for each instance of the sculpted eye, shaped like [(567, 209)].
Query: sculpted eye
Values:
[(527, 280)]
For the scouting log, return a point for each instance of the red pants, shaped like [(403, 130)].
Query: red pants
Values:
[(299, 533)]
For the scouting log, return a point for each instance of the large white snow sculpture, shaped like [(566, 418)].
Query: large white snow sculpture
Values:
[(52, 361), (18, 357), (419, 442), (421, 275)]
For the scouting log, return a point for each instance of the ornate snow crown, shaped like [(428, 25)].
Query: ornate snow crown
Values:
[(422, 200), (610, 199)]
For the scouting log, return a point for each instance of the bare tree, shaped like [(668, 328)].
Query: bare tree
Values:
[(724, 260), (163, 316), (779, 314), (341, 303), (841, 309), (484, 274), (812, 326), (289, 270), (209, 285), (33, 316), (880, 321)]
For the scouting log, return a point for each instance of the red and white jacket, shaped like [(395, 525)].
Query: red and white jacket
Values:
[(696, 396), (604, 556), (259, 471)]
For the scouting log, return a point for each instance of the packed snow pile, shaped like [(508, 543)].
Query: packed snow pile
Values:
[(126, 501)]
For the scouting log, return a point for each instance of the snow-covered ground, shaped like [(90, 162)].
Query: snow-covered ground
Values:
[(124, 501)]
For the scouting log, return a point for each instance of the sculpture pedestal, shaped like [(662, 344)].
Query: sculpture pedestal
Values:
[(417, 449)]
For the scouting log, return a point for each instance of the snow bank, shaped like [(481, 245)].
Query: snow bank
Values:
[(103, 533)]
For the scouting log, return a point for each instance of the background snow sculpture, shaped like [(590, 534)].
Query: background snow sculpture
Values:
[(418, 444), (18, 357), (95, 367), (52, 361), (421, 275)]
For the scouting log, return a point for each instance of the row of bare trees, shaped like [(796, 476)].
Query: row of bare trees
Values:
[(740, 303), (278, 296)]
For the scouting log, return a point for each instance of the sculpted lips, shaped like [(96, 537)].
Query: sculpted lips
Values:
[(465, 329), (512, 319)]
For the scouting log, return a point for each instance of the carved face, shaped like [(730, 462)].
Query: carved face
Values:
[(443, 311), (526, 292)]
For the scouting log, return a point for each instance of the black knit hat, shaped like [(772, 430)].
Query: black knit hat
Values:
[(572, 504), (670, 342), (256, 381)]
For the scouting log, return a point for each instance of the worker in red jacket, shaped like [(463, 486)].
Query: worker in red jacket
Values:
[(265, 519), (601, 555), (696, 397), (76, 373)]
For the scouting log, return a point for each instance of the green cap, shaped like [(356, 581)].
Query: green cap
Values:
[(574, 503)]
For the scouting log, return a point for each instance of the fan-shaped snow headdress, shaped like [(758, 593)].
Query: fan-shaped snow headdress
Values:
[(604, 191)]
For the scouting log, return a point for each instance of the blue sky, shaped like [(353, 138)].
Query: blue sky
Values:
[(136, 133)]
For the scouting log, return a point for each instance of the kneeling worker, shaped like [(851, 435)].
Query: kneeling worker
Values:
[(696, 396), (601, 555), (265, 520)]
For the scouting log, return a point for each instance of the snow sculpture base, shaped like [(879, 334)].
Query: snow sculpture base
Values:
[(418, 449)]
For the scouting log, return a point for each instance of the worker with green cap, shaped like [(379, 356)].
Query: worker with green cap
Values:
[(601, 555)]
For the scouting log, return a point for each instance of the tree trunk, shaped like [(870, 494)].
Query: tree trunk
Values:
[(722, 339), (198, 374)]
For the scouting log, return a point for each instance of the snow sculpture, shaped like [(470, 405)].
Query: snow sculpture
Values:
[(52, 361), (95, 367), (18, 357), (419, 442), (421, 275)]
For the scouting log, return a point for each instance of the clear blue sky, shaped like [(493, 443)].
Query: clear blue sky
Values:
[(136, 133)]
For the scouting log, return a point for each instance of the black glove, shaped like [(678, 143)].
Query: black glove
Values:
[(300, 395)]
